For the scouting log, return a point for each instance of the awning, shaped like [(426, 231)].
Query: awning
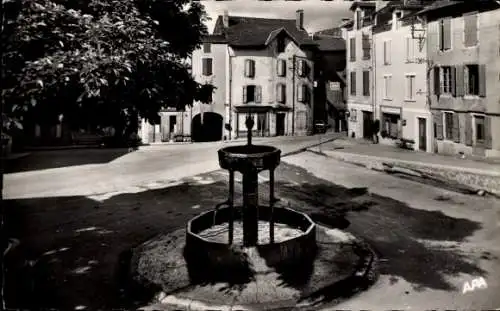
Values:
[(390, 109), (252, 108)]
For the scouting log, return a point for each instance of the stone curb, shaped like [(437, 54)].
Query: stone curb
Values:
[(362, 278), (473, 180)]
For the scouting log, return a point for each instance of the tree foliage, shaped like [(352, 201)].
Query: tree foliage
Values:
[(100, 61)]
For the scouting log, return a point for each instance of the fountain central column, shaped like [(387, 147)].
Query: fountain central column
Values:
[(250, 197)]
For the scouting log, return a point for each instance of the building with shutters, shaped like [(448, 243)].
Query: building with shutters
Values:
[(400, 76), (463, 51), (260, 67), (360, 104)]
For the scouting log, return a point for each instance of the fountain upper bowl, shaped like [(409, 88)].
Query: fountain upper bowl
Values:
[(249, 157)]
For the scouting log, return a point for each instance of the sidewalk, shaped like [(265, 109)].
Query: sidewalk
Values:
[(475, 174)]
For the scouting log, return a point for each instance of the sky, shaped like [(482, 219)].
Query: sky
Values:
[(318, 15)]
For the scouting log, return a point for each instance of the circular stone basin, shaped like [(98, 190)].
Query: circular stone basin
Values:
[(243, 157), (207, 237), (220, 233)]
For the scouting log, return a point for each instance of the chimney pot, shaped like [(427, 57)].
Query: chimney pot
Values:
[(299, 19), (225, 19)]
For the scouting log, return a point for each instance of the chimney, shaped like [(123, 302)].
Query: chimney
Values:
[(225, 19), (299, 19)]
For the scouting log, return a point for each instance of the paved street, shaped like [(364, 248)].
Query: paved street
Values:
[(108, 170), (75, 238)]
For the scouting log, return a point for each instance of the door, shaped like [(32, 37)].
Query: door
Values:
[(280, 124), (367, 125), (422, 134)]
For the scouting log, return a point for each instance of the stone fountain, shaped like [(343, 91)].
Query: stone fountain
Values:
[(252, 255), (254, 218)]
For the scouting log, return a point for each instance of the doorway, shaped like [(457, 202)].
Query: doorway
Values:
[(422, 134), (367, 124), (280, 124)]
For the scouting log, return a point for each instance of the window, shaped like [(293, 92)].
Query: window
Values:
[(387, 87), (359, 20), (352, 49), (281, 70), (410, 49), (366, 83), (448, 125), (280, 44), (249, 68), (445, 80), (470, 30), (366, 46), (251, 93), (353, 82), (444, 34), (302, 93), (303, 68), (471, 79), (207, 66), (387, 52), (410, 87), (480, 131), (207, 48), (281, 93)]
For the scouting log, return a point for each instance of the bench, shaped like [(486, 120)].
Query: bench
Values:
[(406, 143)]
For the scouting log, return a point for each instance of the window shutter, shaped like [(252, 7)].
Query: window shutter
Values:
[(258, 94), (300, 93), (447, 34), (438, 119), (244, 94), (352, 47), (204, 66), (482, 80), (453, 82), (281, 67), (488, 139), (468, 129), (279, 93), (437, 84), (456, 128), (470, 31), (209, 65), (459, 81), (249, 68)]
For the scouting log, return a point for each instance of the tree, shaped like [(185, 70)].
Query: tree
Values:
[(100, 62)]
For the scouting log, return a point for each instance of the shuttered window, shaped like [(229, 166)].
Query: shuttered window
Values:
[(252, 93), (366, 83), (207, 48), (470, 30), (410, 49), (387, 87), (281, 70), (438, 125), (387, 52), (445, 34), (249, 68), (352, 49), (302, 93), (471, 79), (352, 81), (207, 66), (410, 87), (366, 46), (281, 93), (303, 68)]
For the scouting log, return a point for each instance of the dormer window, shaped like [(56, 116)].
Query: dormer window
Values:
[(280, 46)]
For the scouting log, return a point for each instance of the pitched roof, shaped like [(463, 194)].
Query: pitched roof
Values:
[(258, 32)]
